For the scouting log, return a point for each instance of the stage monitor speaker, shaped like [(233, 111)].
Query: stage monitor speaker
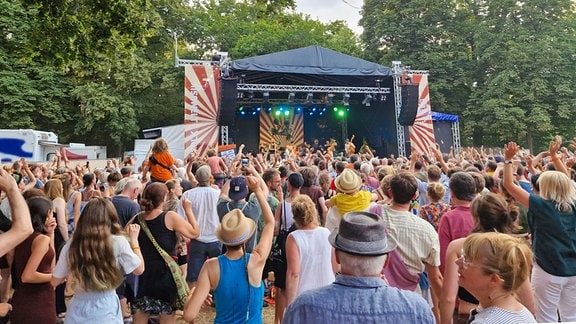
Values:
[(228, 97), (409, 108)]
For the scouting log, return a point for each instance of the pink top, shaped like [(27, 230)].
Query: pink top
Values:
[(454, 224), (214, 164)]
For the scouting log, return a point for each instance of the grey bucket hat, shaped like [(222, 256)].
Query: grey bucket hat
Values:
[(362, 233)]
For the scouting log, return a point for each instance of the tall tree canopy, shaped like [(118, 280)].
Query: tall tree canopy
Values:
[(505, 66)]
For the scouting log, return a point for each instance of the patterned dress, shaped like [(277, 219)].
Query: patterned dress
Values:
[(433, 211)]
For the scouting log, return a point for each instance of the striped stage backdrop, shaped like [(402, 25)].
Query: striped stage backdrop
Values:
[(278, 131), (422, 132), (201, 104)]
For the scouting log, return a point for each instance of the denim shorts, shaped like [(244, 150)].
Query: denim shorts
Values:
[(199, 252)]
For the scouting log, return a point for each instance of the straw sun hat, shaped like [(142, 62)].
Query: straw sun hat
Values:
[(348, 181), (235, 228)]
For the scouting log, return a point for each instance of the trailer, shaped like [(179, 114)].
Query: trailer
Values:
[(41, 146), (27, 143)]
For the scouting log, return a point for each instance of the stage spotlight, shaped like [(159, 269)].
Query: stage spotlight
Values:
[(367, 100), (287, 113), (309, 97), (251, 95), (265, 97), (346, 99), (329, 98), (241, 108), (269, 109), (277, 112), (242, 113), (259, 108), (291, 97)]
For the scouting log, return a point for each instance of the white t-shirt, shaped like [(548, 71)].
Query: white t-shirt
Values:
[(204, 201), (315, 258)]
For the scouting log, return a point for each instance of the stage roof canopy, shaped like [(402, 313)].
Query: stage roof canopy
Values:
[(312, 65)]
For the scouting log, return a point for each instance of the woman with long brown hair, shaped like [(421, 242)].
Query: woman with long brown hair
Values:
[(33, 297), (98, 256)]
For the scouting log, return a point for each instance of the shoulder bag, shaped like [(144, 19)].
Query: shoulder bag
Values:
[(181, 284)]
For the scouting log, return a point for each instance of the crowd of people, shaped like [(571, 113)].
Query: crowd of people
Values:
[(476, 236)]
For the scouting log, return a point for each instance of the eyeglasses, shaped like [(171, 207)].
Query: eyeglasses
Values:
[(462, 260), (467, 264)]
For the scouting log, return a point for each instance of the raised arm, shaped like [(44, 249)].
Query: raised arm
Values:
[(189, 229), (521, 195), (553, 149), (21, 222), (262, 250)]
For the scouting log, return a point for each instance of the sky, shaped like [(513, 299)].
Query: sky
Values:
[(330, 10)]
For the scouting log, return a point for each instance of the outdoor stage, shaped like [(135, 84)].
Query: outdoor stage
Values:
[(292, 97)]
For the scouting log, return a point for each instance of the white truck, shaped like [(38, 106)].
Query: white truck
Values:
[(39, 146)]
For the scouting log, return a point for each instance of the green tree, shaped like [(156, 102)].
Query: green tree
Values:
[(31, 95), (524, 73)]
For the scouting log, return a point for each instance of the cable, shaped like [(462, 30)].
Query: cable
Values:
[(351, 5)]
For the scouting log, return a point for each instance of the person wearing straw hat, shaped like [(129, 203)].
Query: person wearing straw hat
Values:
[(236, 276), (359, 294), (350, 197)]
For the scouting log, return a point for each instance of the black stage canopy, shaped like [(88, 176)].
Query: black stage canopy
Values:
[(312, 65)]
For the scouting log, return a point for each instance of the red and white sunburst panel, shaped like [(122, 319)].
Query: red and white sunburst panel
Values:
[(201, 104), (422, 132), (278, 131)]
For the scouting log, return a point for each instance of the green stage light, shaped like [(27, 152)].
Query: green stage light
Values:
[(241, 108), (277, 112), (341, 113), (287, 113)]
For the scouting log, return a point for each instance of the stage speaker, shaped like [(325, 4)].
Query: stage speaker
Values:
[(228, 97), (409, 108)]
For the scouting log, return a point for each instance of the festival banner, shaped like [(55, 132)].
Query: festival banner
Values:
[(201, 104), (422, 132), (281, 129)]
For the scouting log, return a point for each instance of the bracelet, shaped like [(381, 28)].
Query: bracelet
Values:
[(135, 248), (508, 162)]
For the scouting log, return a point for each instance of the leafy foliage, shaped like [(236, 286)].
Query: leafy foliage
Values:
[(505, 66)]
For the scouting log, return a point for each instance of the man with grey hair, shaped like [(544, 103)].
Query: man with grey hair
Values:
[(360, 294), (125, 200), (204, 199), (367, 169)]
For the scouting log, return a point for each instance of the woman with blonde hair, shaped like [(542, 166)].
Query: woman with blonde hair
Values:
[(552, 221), (493, 266), (308, 251), (433, 211), (490, 213), (54, 190), (98, 255)]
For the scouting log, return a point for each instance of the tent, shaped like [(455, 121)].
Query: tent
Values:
[(446, 131), (312, 65)]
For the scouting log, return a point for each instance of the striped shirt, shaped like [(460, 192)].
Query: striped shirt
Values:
[(500, 315), (417, 240)]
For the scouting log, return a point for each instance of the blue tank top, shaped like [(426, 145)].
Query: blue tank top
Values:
[(231, 294)]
